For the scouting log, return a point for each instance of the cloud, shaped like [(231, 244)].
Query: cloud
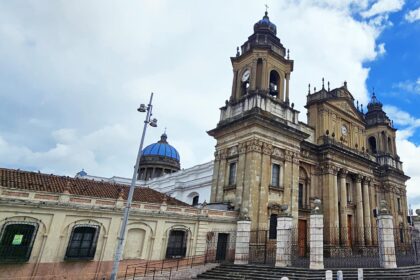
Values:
[(408, 151), (409, 86), (381, 49), (383, 7), (71, 79), (413, 15)]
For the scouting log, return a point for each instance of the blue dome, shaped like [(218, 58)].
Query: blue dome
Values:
[(161, 148), (265, 24)]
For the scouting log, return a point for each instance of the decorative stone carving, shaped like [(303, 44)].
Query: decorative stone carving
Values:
[(233, 151), (358, 178), (242, 148), (343, 173), (254, 146), (267, 149), (278, 153)]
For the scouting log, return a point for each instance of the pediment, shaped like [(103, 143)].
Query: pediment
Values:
[(347, 107)]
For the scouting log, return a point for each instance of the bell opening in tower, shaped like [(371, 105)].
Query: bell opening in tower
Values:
[(274, 83)]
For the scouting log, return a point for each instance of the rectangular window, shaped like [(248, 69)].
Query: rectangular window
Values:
[(272, 234), (401, 235), (82, 244), (275, 175), (300, 197), (348, 189), (399, 204), (232, 173)]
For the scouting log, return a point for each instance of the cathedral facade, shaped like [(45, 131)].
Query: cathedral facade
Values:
[(267, 159)]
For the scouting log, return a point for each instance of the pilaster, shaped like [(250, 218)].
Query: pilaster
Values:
[(366, 211), (359, 212), (343, 208)]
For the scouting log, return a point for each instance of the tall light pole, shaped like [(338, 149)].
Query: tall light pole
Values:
[(118, 252)]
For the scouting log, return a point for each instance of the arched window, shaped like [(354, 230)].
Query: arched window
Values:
[(177, 244), (245, 82), (82, 243), (372, 144), (195, 200), (303, 191), (16, 241), (259, 73), (389, 145), (272, 233), (274, 84)]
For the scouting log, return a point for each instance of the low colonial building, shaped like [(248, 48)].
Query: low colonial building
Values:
[(56, 226)]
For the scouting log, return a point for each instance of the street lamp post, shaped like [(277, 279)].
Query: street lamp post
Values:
[(153, 123)]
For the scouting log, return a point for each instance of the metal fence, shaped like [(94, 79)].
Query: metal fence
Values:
[(262, 249)]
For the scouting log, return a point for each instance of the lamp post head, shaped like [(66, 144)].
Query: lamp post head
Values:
[(153, 123), (142, 108)]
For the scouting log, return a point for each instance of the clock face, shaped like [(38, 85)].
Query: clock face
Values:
[(344, 130), (245, 75)]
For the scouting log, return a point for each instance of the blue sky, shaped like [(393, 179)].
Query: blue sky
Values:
[(72, 73)]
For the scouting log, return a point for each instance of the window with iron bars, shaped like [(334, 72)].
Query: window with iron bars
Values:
[(177, 244), (16, 241), (82, 243)]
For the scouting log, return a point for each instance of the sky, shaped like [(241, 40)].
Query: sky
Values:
[(73, 73)]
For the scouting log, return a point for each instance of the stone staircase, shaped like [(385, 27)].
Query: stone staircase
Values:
[(242, 272)]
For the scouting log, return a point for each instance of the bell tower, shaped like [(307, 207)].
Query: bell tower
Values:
[(256, 167), (262, 65)]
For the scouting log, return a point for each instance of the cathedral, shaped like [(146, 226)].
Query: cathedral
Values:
[(266, 159)]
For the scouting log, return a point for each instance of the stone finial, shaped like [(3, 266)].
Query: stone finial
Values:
[(317, 206), (237, 52), (383, 208), (345, 84), (322, 83), (284, 210), (328, 85), (243, 216), (288, 54), (309, 89), (121, 193), (314, 89), (67, 188)]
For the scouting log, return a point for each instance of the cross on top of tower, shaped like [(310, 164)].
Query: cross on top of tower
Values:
[(266, 8)]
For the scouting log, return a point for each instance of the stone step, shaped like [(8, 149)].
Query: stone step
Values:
[(257, 272)]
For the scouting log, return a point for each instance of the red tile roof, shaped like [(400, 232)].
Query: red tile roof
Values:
[(19, 179)]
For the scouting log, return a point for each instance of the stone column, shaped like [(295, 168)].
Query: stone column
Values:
[(316, 238), (284, 240), (343, 209), (332, 220), (366, 211), (373, 204), (243, 235), (287, 87), (359, 212), (386, 240)]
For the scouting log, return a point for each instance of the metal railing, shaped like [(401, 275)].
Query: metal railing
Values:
[(156, 268)]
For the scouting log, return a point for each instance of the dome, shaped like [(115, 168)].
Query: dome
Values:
[(374, 103), (265, 24), (161, 148)]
